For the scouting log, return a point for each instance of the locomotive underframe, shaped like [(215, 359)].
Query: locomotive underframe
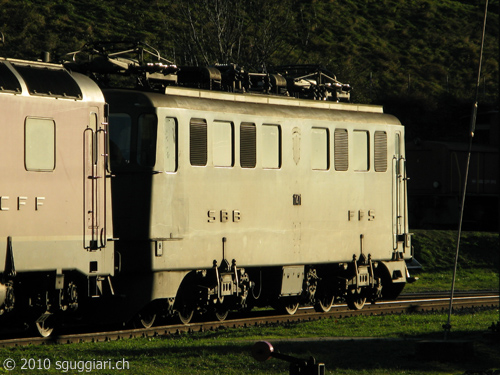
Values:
[(223, 288), (43, 300)]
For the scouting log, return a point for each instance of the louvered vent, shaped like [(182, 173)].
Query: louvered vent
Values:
[(248, 145), (198, 142), (341, 151), (380, 151)]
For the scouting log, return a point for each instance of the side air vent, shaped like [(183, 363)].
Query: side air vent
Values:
[(341, 151), (380, 151), (198, 142), (49, 82), (248, 145)]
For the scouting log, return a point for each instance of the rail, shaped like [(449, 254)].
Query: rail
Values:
[(406, 303)]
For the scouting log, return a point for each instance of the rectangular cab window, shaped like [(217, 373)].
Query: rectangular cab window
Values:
[(146, 140), (320, 155), (120, 134), (361, 151), (222, 144), (397, 152), (40, 144), (271, 146)]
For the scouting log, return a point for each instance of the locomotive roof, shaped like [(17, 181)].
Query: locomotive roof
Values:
[(41, 79), (266, 105)]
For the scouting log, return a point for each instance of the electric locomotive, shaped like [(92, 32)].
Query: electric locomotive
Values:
[(54, 195), (233, 198)]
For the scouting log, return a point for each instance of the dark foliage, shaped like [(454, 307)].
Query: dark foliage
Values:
[(417, 57)]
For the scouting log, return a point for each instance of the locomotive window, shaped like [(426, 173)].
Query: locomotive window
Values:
[(39, 144), (120, 134), (170, 153), (380, 151), (320, 155), (94, 151), (8, 81), (198, 142), (271, 146), (341, 150), (146, 142), (248, 145), (397, 151), (222, 144), (361, 154), (51, 82)]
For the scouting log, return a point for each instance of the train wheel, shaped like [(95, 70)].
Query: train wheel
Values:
[(146, 317), (355, 301), (146, 320), (324, 304), (290, 306), (45, 326), (221, 313), (185, 315)]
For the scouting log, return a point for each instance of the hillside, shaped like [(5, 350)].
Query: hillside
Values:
[(417, 57)]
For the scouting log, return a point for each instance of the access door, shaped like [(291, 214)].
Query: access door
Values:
[(94, 160)]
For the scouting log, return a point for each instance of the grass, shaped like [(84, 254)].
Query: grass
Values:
[(466, 280), (478, 261), (374, 345)]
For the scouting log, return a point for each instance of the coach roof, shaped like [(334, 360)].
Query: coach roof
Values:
[(251, 104)]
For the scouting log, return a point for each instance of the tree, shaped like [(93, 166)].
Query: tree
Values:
[(248, 33), (210, 31)]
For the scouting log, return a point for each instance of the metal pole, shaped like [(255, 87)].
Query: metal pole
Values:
[(447, 326)]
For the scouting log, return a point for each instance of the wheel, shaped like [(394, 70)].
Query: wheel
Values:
[(146, 319), (185, 315), (45, 326), (289, 306), (356, 301), (221, 313), (324, 304)]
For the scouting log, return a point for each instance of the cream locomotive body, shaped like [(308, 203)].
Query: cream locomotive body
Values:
[(53, 192), (258, 196)]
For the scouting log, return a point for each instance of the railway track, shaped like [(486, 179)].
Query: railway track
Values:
[(424, 302)]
